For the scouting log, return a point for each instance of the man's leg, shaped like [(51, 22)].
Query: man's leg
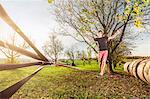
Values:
[(103, 65), (100, 55)]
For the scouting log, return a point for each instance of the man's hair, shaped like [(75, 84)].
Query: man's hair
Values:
[(99, 30)]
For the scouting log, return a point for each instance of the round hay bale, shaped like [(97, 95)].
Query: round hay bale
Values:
[(147, 72), (126, 66), (131, 67), (134, 67), (140, 70)]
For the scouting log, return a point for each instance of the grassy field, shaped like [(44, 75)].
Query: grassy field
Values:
[(59, 82)]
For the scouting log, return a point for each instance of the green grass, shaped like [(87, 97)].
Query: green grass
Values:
[(64, 83), (9, 77)]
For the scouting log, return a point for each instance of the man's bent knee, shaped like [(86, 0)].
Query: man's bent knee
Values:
[(103, 61)]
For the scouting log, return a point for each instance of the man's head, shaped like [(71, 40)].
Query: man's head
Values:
[(100, 33)]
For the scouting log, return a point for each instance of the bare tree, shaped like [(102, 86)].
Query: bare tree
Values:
[(86, 17), (83, 57), (71, 54), (11, 54), (89, 55), (53, 47)]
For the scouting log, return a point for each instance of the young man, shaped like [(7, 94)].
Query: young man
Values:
[(103, 49)]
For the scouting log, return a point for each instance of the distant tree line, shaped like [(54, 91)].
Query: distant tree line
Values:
[(137, 57)]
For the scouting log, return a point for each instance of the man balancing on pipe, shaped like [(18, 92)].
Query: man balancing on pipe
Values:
[(103, 48)]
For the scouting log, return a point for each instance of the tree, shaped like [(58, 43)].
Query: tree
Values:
[(86, 17), (83, 57), (89, 55), (71, 54), (11, 54), (78, 54), (53, 47)]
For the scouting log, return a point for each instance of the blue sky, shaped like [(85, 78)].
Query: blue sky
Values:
[(35, 18)]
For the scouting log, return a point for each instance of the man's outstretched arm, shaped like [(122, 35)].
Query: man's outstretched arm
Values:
[(113, 36)]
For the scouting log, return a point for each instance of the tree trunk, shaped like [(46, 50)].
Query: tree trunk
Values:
[(109, 69), (55, 60), (73, 64), (89, 61), (12, 60), (83, 62), (109, 63)]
